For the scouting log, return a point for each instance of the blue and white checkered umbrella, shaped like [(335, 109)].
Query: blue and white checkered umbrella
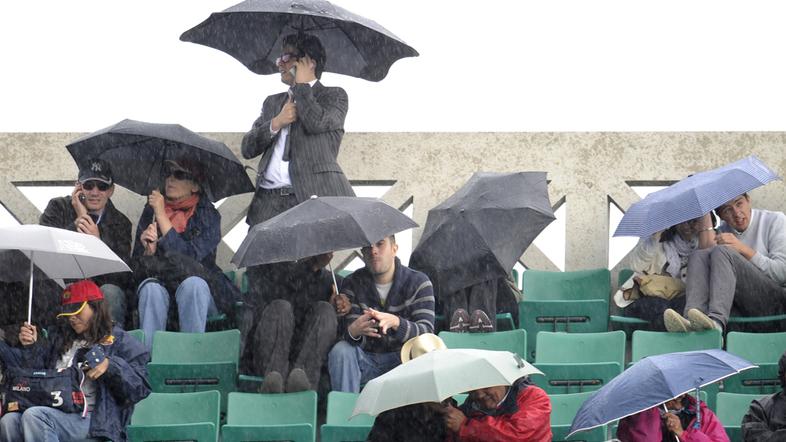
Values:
[(693, 197)]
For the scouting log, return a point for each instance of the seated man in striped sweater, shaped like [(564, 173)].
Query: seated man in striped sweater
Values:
[(391, 303)]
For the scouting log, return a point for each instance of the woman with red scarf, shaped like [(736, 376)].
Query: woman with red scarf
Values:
[(175, 251)]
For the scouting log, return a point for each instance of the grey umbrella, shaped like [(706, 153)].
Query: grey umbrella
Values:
[(320, 225), (137, 150), (480, 232), (252, 32)]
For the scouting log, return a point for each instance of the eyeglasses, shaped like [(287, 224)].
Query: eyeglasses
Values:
[(286, 57), (90, 185), (181, 175)]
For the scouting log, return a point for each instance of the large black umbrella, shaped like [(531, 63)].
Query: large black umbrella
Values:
[(252, 32), (136, 151), (320, 225), (480, 232)]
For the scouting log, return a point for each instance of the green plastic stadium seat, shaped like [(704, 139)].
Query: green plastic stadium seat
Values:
[(577, 362), (731, 409), (188, 362), (338, 427), (563, 410), (169, 416), (514, 341), (564, 301), (271, 417), (764, 350)]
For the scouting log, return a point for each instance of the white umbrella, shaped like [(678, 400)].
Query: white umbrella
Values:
[(438, 375), (58, 253)]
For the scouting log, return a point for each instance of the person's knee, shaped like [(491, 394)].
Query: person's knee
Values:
[(193, 287), (35, 416), (324, 311), (724, 253), (342, 351), (278, 308)]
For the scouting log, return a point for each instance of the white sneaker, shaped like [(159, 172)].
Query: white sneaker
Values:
[(699, 321), (675, 323)]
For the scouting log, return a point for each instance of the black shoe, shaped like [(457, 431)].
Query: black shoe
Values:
[(480, 322), (297, 381), (459, 323), (273, 383)]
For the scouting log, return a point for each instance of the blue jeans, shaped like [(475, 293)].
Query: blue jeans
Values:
[(43, 424), (194, 304), (350, 366)]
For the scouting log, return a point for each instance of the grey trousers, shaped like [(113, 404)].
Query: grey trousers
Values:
[(277, 343), (720, 278)]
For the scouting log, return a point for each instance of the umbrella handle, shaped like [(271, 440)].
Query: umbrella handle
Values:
[(667, 410), (335, 284), (30, 292)]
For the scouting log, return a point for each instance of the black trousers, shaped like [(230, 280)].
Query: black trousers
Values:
[(281, 342)]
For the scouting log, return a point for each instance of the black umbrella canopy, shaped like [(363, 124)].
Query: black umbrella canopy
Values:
[(320, 225), (479, 232), (253, 31), (136, 151)]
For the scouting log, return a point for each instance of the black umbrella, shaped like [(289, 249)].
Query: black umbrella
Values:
[(480, 232), (252, 32), (136, 151), (320, 225)]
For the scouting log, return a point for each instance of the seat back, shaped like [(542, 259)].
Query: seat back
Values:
[(183, 416), (730, 410), (566, 286), (188, 362), (514, 341), (178, 347), (285, 416), (764, 350), (563, 410), (338, 427), (649, 343), (581, 347), (575, 301)]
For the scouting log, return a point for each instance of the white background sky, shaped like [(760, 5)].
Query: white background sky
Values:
[(494, 65)]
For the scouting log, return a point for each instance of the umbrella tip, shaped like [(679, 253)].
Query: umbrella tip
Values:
[(313, 197)]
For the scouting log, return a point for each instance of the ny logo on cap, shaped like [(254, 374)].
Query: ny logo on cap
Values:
[(95, 166)]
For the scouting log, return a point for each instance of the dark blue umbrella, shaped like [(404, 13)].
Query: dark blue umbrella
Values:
[(252, 32), (693, 197), (653, 381)]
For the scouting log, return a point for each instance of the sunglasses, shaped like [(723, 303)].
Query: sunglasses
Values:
[(181, 175), (90, 185), (286, 57)]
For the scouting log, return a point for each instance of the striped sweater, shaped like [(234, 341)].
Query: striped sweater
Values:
[(411, 298)]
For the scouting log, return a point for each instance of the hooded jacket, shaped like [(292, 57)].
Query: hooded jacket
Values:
[(646, 426), (524, 415)]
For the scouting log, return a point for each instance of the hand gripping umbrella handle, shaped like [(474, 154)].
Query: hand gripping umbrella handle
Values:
[(667, 410)]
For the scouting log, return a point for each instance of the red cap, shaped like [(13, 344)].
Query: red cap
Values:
[(76, 295)]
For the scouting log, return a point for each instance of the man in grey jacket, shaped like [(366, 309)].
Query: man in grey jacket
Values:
[(742, 266)]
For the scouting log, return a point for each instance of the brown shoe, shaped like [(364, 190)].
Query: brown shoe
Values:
[(297, 381), (480, 322), (272, 384), (675, 322), (459, 322)]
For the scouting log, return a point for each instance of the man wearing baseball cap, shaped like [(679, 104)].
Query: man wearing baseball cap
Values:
[(89, 210)]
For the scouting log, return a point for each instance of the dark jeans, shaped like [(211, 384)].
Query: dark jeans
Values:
[(651, 308), (481, 296), (279, 346), (720, 278)]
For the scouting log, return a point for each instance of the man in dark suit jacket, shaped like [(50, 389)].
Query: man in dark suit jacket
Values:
[(298, 136)]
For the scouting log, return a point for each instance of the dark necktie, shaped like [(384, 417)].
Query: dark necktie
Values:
[(94, 217), (285, 156)]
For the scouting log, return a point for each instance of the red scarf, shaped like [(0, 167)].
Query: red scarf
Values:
[(179, 212)]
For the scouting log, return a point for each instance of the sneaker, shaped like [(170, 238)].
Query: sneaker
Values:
[(272, 384), (699, 321), (480, 322), (675, 322), (297, 381), (459, 322)]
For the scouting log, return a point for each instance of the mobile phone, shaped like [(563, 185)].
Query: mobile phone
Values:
[(293, 71), (82, 197)]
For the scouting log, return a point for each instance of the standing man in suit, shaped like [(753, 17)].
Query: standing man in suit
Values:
[(298, 136)]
